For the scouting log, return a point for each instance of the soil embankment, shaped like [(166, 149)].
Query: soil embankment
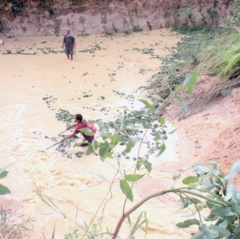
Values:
[(52, 17), (211, 134)]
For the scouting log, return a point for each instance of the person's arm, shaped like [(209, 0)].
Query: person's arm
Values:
[(69, 137), (63, 43), (73, 125), (74, 43)]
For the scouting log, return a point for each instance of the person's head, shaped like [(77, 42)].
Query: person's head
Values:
[(78, 118), (68, 31)]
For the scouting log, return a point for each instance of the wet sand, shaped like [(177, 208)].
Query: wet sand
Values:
[(110, 71)]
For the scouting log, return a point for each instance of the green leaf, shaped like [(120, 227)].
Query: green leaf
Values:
[(4, 190), (86, 131), (214, 170), (231, 193), (200, 169), (104, 149), (223, 212), (4, 169), (195, 200), (179, 98), (133, 177), (129, 221), (116, 138), (107, 155), (185, 202), (211, 218), (188, 223), (161, 149), (121, 119), (173, 131), (149, 106), (3, 173), (131, 144), (208, 232), (103, 178), (139, 164), (107, 136), (190, 89), (164, 101), (190, 180), (161, 120), (126, 189), (147, 165), (234, 170), (215, 181), (157, 136), (81, 143), (137, 224), (223, 224), (90, 149), (95, 144), (176, 176), (222, 233), (191, 79), (198, 235), (213, 205), (224, 93), (178, 88), (237, 230)]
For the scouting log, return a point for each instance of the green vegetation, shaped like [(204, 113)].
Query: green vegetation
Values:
[(184, 57), (48, 5), (210, 189), (14, 6), (93, 49), (210, 51), (136, 122), (10, 225), (103, 4), (3, 190), (212, 200), (233, 20)]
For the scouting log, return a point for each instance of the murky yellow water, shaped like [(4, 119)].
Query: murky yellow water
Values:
[(76, 186)]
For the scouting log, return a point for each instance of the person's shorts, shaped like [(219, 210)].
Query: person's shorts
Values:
[(88, 138), (68, 52)]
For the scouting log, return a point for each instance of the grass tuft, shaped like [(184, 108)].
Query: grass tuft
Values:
[(13, 224)]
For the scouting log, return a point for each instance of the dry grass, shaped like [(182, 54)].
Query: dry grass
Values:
[(13, 225)]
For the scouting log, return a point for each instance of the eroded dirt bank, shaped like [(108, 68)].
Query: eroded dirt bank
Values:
[(211, 134), (38, 17)]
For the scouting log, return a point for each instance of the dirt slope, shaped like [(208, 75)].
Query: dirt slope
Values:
[(52, 17), (212, 134)]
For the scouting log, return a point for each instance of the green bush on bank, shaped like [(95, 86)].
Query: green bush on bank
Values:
[(214, 52), (184, 57)]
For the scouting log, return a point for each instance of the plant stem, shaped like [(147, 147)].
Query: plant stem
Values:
[(174, 190)]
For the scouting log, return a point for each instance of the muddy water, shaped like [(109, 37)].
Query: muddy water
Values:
[(56, 189)]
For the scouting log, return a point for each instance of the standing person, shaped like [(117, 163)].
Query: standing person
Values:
[(79, 123), (69, 44)]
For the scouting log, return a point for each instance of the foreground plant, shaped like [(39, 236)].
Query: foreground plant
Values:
[(214, 53), (209, 189), (12, 223), (3, 173)]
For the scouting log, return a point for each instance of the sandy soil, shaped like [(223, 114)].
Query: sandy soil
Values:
[(75, 185), (212, 134)]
